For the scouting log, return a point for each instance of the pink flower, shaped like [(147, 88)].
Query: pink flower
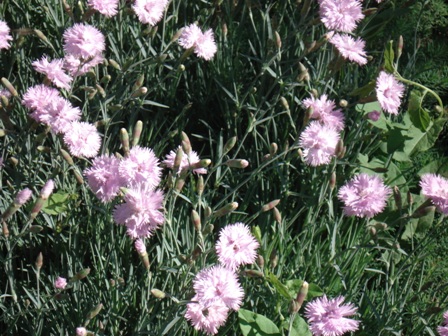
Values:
[(389, 92), (374, 115), (187, 161), (218, 284), (141, 166), (53, 71), (149, 11), (443, 330), (39, 97), (325, 111), (82, 139), (47, 189), (4, 35), (141, 212), (60, 283), (206, 318), (83, 41), (319, 143), (435, 187), (364, 196), (350, 48), (236, 246), (5, 93), (103, 177), (23, 196), (81, 331), (108, 8), (327, 317), (342, 15), (78, 67), (203, 43), (140, 246)]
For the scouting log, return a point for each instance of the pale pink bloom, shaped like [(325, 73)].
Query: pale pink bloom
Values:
[(389, 92), (190, 35), (23, 196), (53, 71), (435, 187), (141, 212), (140, 246), (328, 317), (325, 111), (218, 284), (364, 195), (374, 115), (342, 15), (187, 161), (350, 48), (141, 166), (443, 330), (82, 139), (103, 177), (77, 67), (60, 283), (236, 246), (319, 142), (149, 11), (203, 43), (81, 331), (83, 41), (206, 318), (38, 97), (5, 93), (4, 35), (47, 189), (108, 8)]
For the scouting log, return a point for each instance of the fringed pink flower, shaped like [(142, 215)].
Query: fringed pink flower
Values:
[(319, 143), (141, 166), (82, 139), (435, 187), (108, 8), (389, 92), (4, 35), (341, 15), (83, 41), (187, 161), (203, 43), (150, 11), (77, 67), (325, 111), (206, 318), (350, 48), (54, 72)]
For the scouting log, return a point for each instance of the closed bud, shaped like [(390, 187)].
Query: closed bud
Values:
[(5, 101), (400, 46), (237, 163), (208, 229), (397, 197), (106, 79), (39, 261), (270, 205), (229, 145), (138, 128), (333, 180), (226, 209), (293, 307), (158, 293), (114, 64), (208, 211), (284, 102), (140, 92), (314, 93), (92, 94), (139, 82), (372, 232), (124, 137), (101, 90), (95, 311), (300, 153), (260, 261), (177, 160), (253, 273), (303, 73), (5, 229), (9, 86), (80, 275), (339, 149), (116, 107), (273, 259), (177, 35), (278, 40), (35, 228), (40, 35), (277, 215), (181, 68), (44, 149), (301, 295), (343, 103), (370, 11), (200, 185), (66, 157), (78, 177), (409, 197), (224, 29), (162, 58), (186, 144), (273, 149), (380, 226), (153, 31), (423, 211), (380, 170), (196, 220)]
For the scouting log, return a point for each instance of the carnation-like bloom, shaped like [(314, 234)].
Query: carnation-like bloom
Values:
[(342, 15), (140, 246), (435, 187), (141, 166), (103, 177), (53, 71), (319, 142), (328, 317), (187, 161), (218, 284), (83, 41), (23, 196), (350, 48), (47, 189), (325, 111), (60, 283), (206, 318), (82, 139), (77, 67), (141, 212), (389, 92), (39, 97), (5, 93), (364, 196), (443, 330), (236, 246), (108, 8), (149, 11), (4, 35), (203, 43)]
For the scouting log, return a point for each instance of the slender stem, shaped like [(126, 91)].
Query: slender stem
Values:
[(407, 81)]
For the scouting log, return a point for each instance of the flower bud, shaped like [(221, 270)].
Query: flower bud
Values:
[(140, 92), (397, 197), (138, 128), (284, 102), (260, 261), (208, 229), (60, 283), (229, 145), (370, 11), (35, 229), (301, 295), (409, 197), (114, 64), (81, 331), (270, 205), (343, 103), (80, 275), (124, 137), (277, 215), (139, 82), (95, 311), (208, 211), (339, 149), (177, 35), (237, 163), (200, 185), (39, 261), (400, 46), (186, 144), (273, 259), (423, 211), (226, 209), (5, 229), (158, 293), (23, 196), (9, 86), (140, 246), (273, 149), (333, 180), (253, 273), (303, 73), (278, 40), (196, 220)]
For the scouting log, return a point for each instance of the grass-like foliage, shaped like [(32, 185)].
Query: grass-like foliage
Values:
[(261, 118)]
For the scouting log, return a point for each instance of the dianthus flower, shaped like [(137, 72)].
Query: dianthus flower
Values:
[(5, 93), (319, 143), (327, 317), (78, 67), (435, 187), (23, 196), (4, 35), (141, 212), (389, 92), (443, 330), (149, 11), (83, 41), (325, 111), (187, 161), (342, 15), (364, 196), (108, 8), (38, 97), (206, 318), (218, 284), (47, 189), (350, 48), (103, 177), (81, 331), (141, 166), (60, 283), (53, 71), (203, 43), (82, 139), (236, 246)]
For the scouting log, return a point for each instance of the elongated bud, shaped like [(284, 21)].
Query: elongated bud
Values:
[(372, 232), (208, 211), (124, 137), (308, 113), (400, 46), (284, 103), (80, 275), (339, 149), (66, 157), (204, 163), (78, 177), (177, 160), (226, 209), (140, 92), (5, 101), (101, 90), (224, 29), (106, 79), (158, 293), (229, 145), (278, 40), (303, 73), (138, 128), (260, 261), (186, 144), (333, 180), (114, 64), (92, 94), (277, 215), (397, 197), (5, 229), (9, 86), (273, 149), (410, 199), (177, 35), (180, 182), (208, 229), (369, 11), (273, 259), (237, 163), (270, 205), (39, 261), (139, 82), (200, 185), (301, 295), (40, 35), (95, 311), (253, 273), (196, 220)]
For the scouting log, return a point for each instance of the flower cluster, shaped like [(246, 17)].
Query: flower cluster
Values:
[(187, 161), (389, 92), (325, 111), (435, 187), (203, 44)]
